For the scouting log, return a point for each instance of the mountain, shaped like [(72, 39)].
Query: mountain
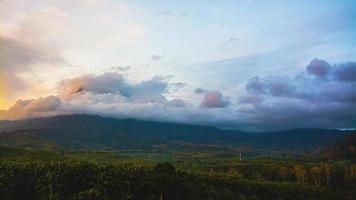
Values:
[(83, 132)]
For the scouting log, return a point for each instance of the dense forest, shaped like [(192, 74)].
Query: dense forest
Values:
[(85, 180)]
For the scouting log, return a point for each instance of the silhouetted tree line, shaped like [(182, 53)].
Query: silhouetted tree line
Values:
[(93, 181)]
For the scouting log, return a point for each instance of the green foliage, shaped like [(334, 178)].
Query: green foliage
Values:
[(164, 168), (84, 180)]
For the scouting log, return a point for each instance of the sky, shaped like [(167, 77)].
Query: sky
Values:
[(249, 65)]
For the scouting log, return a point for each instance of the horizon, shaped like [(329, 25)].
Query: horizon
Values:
[(176, 123), (230, 64)]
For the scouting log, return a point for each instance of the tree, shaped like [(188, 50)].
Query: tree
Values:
[(315, 173), (282, 173), (300, 173), (165, 168)]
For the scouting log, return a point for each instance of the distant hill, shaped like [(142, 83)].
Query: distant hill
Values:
[(78, 132), (345, 148)]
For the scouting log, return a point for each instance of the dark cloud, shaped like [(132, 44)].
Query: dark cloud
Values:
[(200, 90), (251, 99), (177, 103), (336, 86), (214, 99), (303, 101), (275, 86), (346, 71), (340, 72), (318, 67)]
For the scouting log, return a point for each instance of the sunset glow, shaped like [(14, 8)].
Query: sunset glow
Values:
[(227, 63)]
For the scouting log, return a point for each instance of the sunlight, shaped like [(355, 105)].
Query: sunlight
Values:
[(4, 104)]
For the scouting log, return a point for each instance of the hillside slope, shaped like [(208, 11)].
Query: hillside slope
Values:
[(343, 149), (94, 132)]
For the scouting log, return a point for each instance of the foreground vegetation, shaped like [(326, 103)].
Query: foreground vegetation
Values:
[(34, 174), (86, 180)]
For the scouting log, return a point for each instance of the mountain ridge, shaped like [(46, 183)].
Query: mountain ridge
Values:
[(7, 123), (84, 131)]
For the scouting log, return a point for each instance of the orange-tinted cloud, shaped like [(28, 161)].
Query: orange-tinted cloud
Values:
[(40, 107)]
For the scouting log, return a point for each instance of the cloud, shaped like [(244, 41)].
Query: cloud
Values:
[(251, 99), (106, 83), (156, 57), (175, 86), (177, 103), (339, 72), (318, 67), (18, 57), (276, 86), (120, 68), (269, 102), (40, 107), (25, 46), (111, 94), (214, 99), (346, 71), (200, 91), (112, 83), (322, 97), (105, 94), (49, 103)]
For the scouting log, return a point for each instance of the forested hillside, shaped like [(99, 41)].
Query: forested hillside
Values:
[(92, 132)]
